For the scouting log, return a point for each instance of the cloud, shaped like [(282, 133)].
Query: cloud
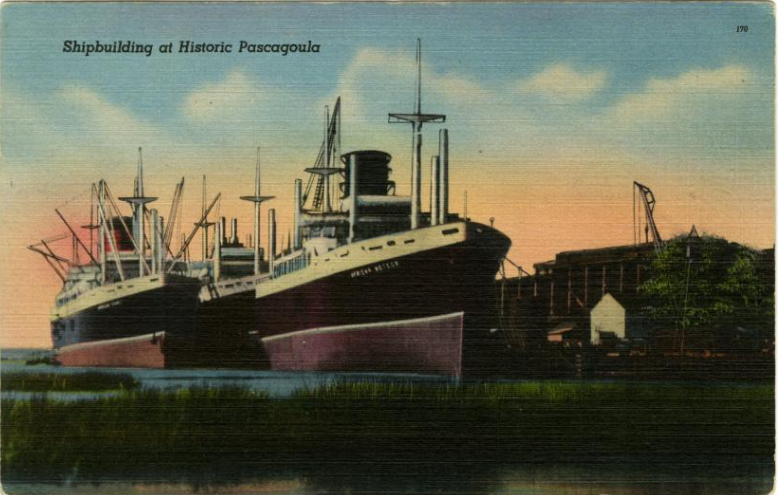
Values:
[(388, 78), (696, 89), (105, 122), (236, 97), (563, 83)]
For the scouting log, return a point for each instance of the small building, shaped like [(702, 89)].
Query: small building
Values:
[(564, 332), (608, 317)]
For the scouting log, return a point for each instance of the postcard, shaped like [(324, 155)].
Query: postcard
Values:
[(385, 247)]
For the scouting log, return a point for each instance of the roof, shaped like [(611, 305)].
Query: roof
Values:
[(629, 252), (564, 327), (628, 300)]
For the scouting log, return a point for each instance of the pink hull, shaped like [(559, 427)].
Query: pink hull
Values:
[(144, 351), (431, 345)]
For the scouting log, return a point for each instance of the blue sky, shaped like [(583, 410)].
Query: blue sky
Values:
[(491, 46), (553, 110)]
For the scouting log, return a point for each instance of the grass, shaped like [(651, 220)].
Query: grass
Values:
[(88, 381), (328, 433)]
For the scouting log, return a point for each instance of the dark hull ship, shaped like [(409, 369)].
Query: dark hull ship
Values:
[(130, 306), (369, 284), (400, 302)]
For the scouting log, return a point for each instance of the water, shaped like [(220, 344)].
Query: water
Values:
[(275, 383), (528, 479)]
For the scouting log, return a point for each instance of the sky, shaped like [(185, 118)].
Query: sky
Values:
[(553, 111)]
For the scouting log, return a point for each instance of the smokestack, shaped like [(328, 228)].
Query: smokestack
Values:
[(223, 231), (217, 250), (154, 241), (298, 196), (271, 240), (352, 213), (234, 231), (435, 189), (443, 181)]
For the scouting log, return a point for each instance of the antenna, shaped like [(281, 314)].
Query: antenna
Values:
[(257, 199), (416, 119)]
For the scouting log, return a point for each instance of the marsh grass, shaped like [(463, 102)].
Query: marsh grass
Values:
[(229, 433), (88, 381)]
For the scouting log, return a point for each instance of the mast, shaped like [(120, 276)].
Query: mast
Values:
[(101, 222), (204, 224), (138, 202), (416, 119), (104, 219), (323, 169), (257, 199), (327, 203)]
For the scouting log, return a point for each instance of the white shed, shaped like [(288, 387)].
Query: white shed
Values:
[(608, 316)]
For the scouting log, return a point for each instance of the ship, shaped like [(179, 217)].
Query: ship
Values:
[(130, 304), (368, 281)]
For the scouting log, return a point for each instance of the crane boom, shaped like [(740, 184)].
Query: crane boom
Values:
[(649, 202)]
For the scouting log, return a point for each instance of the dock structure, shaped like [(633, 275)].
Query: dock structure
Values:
[(563, 291)]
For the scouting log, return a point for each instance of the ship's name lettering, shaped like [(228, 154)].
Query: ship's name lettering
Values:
[(108, 305), (388, 265)]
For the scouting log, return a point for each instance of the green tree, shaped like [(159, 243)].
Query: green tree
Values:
[(701, 283)]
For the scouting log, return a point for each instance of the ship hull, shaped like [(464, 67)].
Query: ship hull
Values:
[(223, 338), (365, 308), (424, 345), (143, 351), (457, 277), (127, 330)]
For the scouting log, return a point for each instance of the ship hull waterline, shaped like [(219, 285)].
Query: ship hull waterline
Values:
[(149, 328)]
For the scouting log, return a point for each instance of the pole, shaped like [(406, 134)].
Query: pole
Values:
[(155, 248), (161, 245), (257, 199), (327, 201), (352, 214), (416, 177), (205, 230), (217, 252), (434, 191), (103, 262), (443, 193), (298, 194), (271, 241)]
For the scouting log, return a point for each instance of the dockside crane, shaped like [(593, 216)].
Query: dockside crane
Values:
[(648, 201)]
